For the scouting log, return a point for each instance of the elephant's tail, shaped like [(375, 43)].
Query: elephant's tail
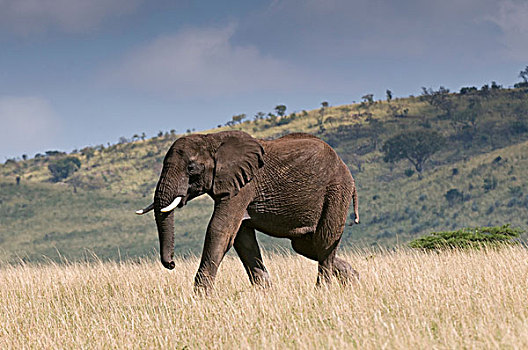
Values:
[(355, 203)]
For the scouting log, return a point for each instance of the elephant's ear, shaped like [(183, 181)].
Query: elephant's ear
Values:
[(237, 160)]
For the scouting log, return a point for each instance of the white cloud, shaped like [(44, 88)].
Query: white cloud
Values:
[(512, 18), (30, 16), (201, 62), (26, 124)]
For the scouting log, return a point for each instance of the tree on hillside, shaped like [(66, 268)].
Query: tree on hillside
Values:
[(416, 146), (280, 110), (389, 95), (272, 119), (259, 116), (368, 99), (322, 111), (468, 90), (524, 75), (237, 119), (376, 129), (439, 99), (62, 168), (465, 122), (54, 153), (88, 152)]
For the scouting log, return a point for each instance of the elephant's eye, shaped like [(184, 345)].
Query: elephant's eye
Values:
[(194, 168)]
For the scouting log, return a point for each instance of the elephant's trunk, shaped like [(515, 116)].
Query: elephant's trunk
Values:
[(163, 197), (165, 223)]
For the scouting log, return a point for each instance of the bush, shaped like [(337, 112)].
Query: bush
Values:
[(490, 183), (454, 196), (62, 168), (478, 237), (519, 127)]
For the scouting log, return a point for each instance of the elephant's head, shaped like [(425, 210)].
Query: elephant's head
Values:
[(217, 164)]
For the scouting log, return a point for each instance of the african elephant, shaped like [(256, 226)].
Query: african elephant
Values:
[(294, 187)]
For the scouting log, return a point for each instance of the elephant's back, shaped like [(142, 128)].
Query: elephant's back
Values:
[(305, 157), (292, 186)]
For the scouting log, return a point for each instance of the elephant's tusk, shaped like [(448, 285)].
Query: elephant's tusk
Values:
[(246, 216), (145, 210), (173, 205)]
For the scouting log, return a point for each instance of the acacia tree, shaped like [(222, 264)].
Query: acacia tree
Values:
[(239, 118), (389, 95), (259, 116), (62, 168), (524, 75), (280, 110), (416, 146), (465, 122), (439, 99)]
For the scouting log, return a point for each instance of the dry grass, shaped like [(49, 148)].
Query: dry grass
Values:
[(405, 299)]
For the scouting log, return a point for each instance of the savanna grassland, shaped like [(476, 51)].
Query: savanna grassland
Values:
[(405, 299)]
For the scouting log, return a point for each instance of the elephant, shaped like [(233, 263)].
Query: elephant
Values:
[(293, 187)]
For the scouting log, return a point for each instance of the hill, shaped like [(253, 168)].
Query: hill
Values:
[(476, 178)]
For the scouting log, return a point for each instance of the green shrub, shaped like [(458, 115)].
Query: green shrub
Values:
[(62, 168), (454, 196), (477, 237), (490, 183)]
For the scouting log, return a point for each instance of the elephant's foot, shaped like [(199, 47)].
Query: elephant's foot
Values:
[(260, 278), (344, 272), (203, 284), (323, 275)]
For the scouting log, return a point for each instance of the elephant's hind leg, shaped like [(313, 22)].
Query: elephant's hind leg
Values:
[(344, 272), (248, 250), (341, 269), (328, 235)]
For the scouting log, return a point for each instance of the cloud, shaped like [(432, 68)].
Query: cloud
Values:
[(512, 19), (33, 16), (374, 28), (200, 62), (27, 124)]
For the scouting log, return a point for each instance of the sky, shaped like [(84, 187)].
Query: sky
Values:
[(76, 73)]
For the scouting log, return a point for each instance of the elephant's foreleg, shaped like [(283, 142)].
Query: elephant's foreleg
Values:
[(215, 247), (219, 238), (248, 250)]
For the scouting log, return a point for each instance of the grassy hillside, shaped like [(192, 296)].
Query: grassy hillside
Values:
[(404, 300), (476, 178)]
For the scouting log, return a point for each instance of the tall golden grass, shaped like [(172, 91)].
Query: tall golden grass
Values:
[(404, 299)]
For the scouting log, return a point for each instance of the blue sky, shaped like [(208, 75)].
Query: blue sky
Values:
[(75, 73)]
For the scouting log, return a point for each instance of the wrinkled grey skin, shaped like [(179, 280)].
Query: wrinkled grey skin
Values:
[(295, 187)]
